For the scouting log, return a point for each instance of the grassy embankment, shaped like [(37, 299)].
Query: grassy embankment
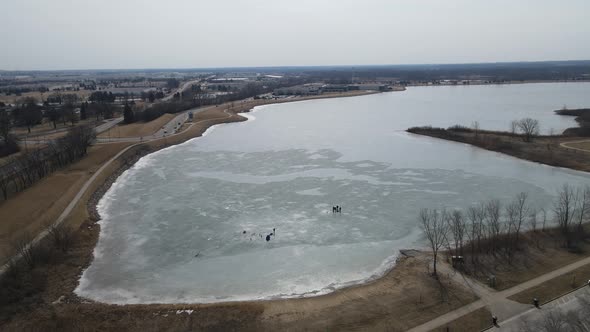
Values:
[(405, 297), (137, 129), (538, 253), (556, 287), (474, 321)]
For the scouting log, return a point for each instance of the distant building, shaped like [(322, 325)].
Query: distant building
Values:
[(302, 90), (369, 86), (335, 88)]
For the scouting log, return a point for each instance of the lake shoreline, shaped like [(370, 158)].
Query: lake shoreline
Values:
[(234, 115), (345, 307), (546, 150), (60, 300)]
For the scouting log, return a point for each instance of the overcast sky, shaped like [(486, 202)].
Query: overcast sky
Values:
[(113, 34)]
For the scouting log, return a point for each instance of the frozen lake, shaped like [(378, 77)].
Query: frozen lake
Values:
[(173, 225)]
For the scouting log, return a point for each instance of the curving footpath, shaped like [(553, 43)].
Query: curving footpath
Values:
[(565, 145), (497, 302)]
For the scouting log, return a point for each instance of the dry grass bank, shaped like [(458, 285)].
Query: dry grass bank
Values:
[(555, 287), (138, 129), (579, 145), (539, 253), (405, 297), (477, 320), (29, 212)]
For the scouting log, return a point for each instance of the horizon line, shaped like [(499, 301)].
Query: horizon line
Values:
[(287, 66)]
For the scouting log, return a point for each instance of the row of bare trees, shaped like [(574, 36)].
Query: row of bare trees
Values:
[(572, 210), (491, 228), (23, 171)]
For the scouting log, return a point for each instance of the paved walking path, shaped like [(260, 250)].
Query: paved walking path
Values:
[(565, 145), (534, 315), (497, 302)]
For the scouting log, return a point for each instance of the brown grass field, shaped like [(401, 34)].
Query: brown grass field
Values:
[(539, 253), (407, 296), (138, 129), (580, 145), (478, 320), (555, 287), (29, 212)]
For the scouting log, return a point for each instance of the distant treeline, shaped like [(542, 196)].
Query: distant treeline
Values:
[(196, 98), (582, 117), (492, 72)]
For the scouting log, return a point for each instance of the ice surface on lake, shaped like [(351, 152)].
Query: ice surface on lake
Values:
[(189, 223)]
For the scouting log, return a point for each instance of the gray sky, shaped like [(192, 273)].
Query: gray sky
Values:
[(93, 34)]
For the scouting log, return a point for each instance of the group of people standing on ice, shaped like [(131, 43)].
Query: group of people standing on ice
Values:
[(268, 236)]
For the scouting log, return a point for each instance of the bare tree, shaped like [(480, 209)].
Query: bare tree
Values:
[(544, 213), (583, 207), (522, 210), (529, 128), (472, 214), (557, 320), (457, 225), (513, 127), (25, 249), (5, 125), (533, 221), (5, 180), (62, 236), (492, 216), (475, 127), (436, 229), (512, 221), (564, 209)]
